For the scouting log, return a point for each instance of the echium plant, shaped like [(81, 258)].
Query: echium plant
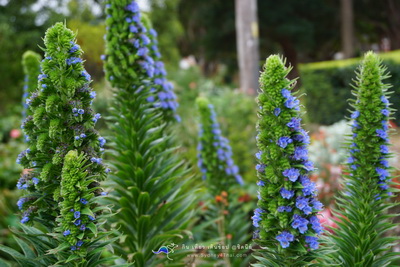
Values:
[(63, 160), (361, 237), (286, 217), (31, 66), (220, 175), (142, 54), (214, 152), (149, 183)]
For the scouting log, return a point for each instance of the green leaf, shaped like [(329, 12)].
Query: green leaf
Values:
[(87, 211), (92, 228)]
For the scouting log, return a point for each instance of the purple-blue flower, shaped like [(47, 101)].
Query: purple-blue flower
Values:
[(285, 238), (288, 194), (300, 223), (292, 174), (385, 112), (286, 93), (383, 173), (292, 102), (284, 141), (302, 203), (133, 7), (77, 214), (316, 225), (312, 242), (382, 133), (300, 153), (260, 168), (355, 114), (285, 208), (261, 183), (67, 232), (295, 124), (25, 219), (257, 217), (384, 149)]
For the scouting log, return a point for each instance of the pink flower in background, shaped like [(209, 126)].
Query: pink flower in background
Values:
[(15, 133), (327, 219)]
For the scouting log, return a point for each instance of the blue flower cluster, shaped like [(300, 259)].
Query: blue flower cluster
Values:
[(297, 192), (257, 216), (220, 146), (381, 169), (285, 238), (73, 60)]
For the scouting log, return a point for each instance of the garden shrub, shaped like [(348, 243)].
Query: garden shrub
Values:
[(328, 87), (285, 220), (63, 162), (363, 203), (150, 183)]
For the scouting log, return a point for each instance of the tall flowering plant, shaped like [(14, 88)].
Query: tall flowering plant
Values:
[(63, 161), (214, 152), (149, 182), (286, 218), (220, 175), (141, 57), (362, 205), (31, 66)]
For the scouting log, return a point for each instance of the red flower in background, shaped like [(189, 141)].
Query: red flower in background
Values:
[(15, 133), (327, 219)]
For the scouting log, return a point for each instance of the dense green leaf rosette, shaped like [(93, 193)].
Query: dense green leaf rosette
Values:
[(361, 237), (214, 152), (150, 185), (286, 217), (31, 66)]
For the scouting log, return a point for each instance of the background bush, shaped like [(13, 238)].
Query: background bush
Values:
[(328, 86)]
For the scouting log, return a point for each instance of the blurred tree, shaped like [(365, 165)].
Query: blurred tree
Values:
[(347, 27), (304, 30), (209, 32), (164, 16), (247, 44), (19, 31), (375, 20)]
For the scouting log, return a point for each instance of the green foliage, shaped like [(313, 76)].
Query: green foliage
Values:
[(287, 198), (35, 245), (363, 204), (150, 182), (327, 85)]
